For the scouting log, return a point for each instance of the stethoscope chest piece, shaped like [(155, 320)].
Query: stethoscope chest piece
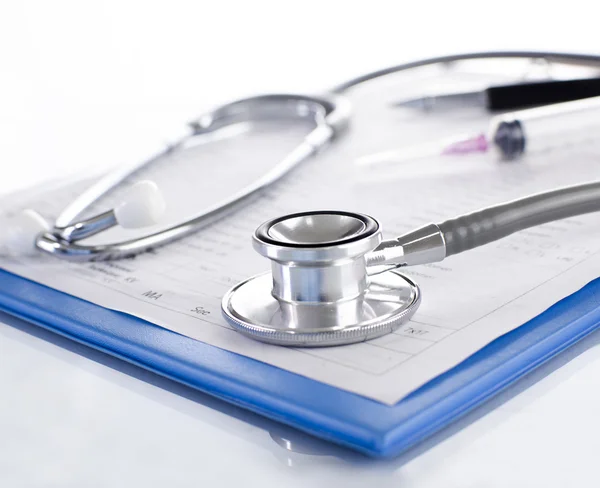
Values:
[(319, 292)]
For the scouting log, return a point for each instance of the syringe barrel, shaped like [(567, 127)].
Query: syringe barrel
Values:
[(545, 128)]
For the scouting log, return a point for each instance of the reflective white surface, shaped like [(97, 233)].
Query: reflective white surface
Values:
[(71, 416), (116, 76)]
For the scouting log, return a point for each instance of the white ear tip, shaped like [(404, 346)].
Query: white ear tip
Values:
[(144, 205), (21, 232)]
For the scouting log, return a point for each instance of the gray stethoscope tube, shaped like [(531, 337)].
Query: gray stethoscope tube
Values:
[(435, 242), (332, 278)]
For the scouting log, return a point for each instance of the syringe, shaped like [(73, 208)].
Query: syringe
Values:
[(513, 134)]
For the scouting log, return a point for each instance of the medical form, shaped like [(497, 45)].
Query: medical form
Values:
[(468, 300)]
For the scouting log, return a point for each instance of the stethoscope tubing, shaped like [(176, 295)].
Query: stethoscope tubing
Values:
[(336, 114)]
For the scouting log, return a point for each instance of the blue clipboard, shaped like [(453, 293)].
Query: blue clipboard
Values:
[(327, 412)]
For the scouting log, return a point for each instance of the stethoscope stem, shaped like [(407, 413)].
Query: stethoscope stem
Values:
[(435, 242), (420, 246)]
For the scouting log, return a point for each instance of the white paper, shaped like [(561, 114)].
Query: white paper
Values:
[(468, 300)]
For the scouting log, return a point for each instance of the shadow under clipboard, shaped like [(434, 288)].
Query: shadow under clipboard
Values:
[(294, 448)]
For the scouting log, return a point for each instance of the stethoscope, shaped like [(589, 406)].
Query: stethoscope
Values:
[(333, 279), (143, 204)]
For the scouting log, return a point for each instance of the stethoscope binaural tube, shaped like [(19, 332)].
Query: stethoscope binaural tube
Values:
[(329, 113)]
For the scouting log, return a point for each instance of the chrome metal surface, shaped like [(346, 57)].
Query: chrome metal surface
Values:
[(333, 282), (316, 229), (318, 256), (317, 237), (87, 228), (319, 292), (390, 300), (445, 101), (420, 246), (329, 112)]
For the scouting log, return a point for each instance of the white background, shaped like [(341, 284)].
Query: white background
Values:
[(83, 84), (79, 75)]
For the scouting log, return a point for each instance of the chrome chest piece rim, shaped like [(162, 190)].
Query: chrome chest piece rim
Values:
[(270, 324), (318, 292)]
